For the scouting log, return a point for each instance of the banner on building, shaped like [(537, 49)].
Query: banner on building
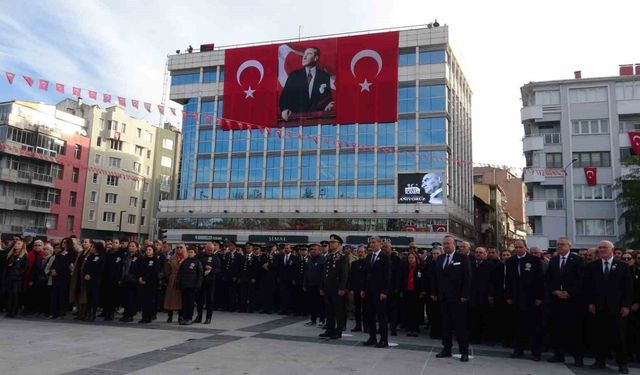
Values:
[(278, 239), (345, 80), (209, 237), (420, 188)]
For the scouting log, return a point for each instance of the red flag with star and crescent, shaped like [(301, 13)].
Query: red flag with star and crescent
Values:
[(634, 138), (591, 175), (367, 84), (250, 84)]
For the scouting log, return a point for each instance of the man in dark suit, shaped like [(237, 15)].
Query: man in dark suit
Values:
[(608, 287), (376, 291), (307, 89), (286, 276), (356, 285), (481, 298), (525, 293), (334, 287), (451, 287), (564, 287)]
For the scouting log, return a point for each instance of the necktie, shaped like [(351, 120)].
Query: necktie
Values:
[(446, 262), (309, 78), (606, 268), (373, 259), (562, 263)]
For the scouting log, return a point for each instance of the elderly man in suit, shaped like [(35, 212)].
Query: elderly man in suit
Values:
[(608, 286), (376, 292), (451, 287)]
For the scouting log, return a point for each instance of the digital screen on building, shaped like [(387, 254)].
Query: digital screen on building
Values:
[(342, 80), (420, 188)]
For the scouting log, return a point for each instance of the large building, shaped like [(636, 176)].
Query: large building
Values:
[(574, 126), (131, 168), (43, 168), (295, 184)]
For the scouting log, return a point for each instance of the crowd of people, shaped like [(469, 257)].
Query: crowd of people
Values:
[(584, 303)]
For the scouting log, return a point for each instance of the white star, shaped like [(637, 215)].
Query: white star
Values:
[(249, 92), (365, 86)]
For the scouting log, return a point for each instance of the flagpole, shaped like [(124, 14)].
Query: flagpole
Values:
[(164, 89)]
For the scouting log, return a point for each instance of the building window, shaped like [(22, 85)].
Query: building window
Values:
[(327, 137), (327, 166), (365, 165), (92, 215), (432, 160), (385, 191), (94, 179), (595, 227), (291, 140), (115, 145), (101, 124), (431, 57), (219, 193), (588, 95), (598, 192), (365, 191), (98, 159), (57, 171), (386, 136), (432, 131), (385, 165), (167, 144), (148, 154), (238, 168), (185, 78), (310, 137), (203, 170), (77, 151), (407, 99), (407, 58), (592, 159), (346, 167), (205, 141), (99, 141), (131, 219), (220, 169), (75, 174), (254, 193), (222, 141), (547, 97), (289, 192), (133, 202), (432, 98), (407, 132), (166, 162), (255, 168), (139, 150), (273, 168), (53, 196), (274, 141), (600, 126), (110, 198), (72, 198), (145, 187), (257, 140), (144, 203), (308, 168), (346, 191), (347, 135), (115, 162), (290, 170), (70, 222), (554, 160), (137, 166), (109, 217), (239, 143), (630, 125), (112, 180), (94, 196), (406, 161), (236, 193), (209, 75), (272, 192), (327, 191)]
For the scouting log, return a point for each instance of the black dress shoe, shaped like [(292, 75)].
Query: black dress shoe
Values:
[(208, 321), (516, 354), (537, 357), (555, 359), (597, 365), (623, 370), (356, 329), (443, 354), (370, 343), (198, 319), (382, 344), (325, 335), (336, 336), (464, 358)]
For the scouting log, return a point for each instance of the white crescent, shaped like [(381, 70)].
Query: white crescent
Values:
[(250, 64), (441, 229), (590, 174), (366, 53), (636, 138)]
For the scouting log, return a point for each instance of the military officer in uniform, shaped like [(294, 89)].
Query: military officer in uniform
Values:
[(248, 279), (268, 279), (300, 304), (333, 287), (212, 266)]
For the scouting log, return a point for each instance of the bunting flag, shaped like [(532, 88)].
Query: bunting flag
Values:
[(93, 95), (194, 116), (28, 79), (591, 174), (173, 111), (60, 88), (161, 109), (207, 119), (122, 101), (135, 103), (10, 77), (147, 106), (106, 98), (77, 91), (43, 85), (634, 138), (184, 115)]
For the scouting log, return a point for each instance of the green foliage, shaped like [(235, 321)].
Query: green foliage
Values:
[(629, 200)]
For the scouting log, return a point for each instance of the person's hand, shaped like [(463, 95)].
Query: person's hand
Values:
[(463, 300), (54, 273), (285, 114), (635, 307), (538, 302), (383, 296), (362, 294), (351, 293), (207, 268), (557, 293), (329, 107), (434, 298), (422, 295), (30, 283), (592, 309), (253, 281), (322, 292), (490, 299), (624, 312), (510, 301), (87, 277), (304, 289), (341, 292)]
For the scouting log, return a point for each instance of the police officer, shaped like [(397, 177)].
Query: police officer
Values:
[(300, 303), (248, 279), (268, 276), (333, 288), (211, 265), (230, 271), (312, 278), (61, 277), (146, 271), (286, 274)]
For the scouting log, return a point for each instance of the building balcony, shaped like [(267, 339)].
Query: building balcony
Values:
[(39, 205), (533, 143), (531, 177), (165, 187), (535, 207), (532, 112), (538, 240)]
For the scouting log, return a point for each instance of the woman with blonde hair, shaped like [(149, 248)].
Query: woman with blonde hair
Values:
[(13, 277), (173, 297)]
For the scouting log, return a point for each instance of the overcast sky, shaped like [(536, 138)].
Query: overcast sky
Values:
[(120, 48)]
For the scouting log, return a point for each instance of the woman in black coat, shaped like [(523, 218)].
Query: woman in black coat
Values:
[(147, 270), (13, 277), (92, 270), (412, 282), (189, 280)]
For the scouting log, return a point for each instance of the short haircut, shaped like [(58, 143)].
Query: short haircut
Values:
[(316, 49)]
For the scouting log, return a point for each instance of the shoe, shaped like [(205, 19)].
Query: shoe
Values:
[(370, 342), (325, 335), (623, 370), (310, 324), (170, 319), (464, 358), (51, 317), (578, 362), (555, 359), (208, 321), (597, 365), (336, 336), (187, 322), (357, 329), (443, 354), (516, 354), (537, 357), (198, 319), (382, 344), (142, 321)]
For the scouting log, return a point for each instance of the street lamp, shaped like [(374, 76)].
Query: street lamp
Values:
[(566, 199)]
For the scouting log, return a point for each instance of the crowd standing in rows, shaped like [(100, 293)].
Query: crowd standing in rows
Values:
[(584, 303)]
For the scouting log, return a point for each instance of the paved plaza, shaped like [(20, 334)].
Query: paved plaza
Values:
[(235, 344)]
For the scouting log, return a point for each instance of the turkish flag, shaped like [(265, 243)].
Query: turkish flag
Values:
[(122, 101), (173, 111), (76, 91), (367, 84), (147, 106), (28, 80), (43, 85), (161, 109), (591, 174), (93, 95), (106, 98), (634, 138), (135, 103), (10, 77), (60, 88), (250, 84), (439, 227)]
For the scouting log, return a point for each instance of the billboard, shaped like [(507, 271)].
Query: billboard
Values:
[(420, 188), (351, 79)]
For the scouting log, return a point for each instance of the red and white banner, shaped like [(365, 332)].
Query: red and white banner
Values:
[(122, 101), (634, 138), (106, 98), (439, 227), (10, 77), (93, 95), (77, 91), (43, 85), (367, 88), (60, 88), (591, 174), (135, 103), (28, 80), (251, 76)]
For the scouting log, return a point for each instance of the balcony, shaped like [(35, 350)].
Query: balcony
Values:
[(555, 204), (39, 205), (532, 112), (532, 143), (165, 187), (535, 207), (531, 177), (551, 138), (41, 177)]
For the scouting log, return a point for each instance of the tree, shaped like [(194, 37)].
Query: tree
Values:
[(629, 200)]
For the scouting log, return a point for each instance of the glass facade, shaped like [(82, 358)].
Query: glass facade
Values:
[(188, 151)]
